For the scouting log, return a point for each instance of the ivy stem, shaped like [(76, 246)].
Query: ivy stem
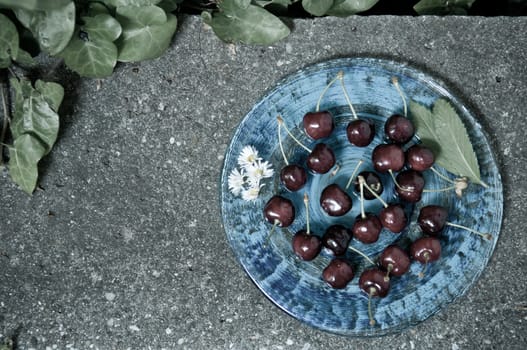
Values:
[(326, 90), (5, 122), (281, 122), (357, 167), (395, 82), (353, 249), (346, 96)]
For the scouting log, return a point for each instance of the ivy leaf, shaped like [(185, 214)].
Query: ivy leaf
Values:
[(147, 32), (33, 114), (443, 131), (317, 7), (52, 28), (253, 25), (350, 7), (34, 4), (24, 59), (263, 3), (25, 154), (102, 26), (443, 7), (138, 3), (90, 58), (53, 93), (8, 41), (169, 5)]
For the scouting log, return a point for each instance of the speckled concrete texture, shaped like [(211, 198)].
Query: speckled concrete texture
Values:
[(123, 245)]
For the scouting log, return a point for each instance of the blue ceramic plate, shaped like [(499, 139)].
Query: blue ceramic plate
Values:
[(296, 286)]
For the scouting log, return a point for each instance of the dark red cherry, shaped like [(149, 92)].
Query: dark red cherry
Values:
[(360, 132), (318, 124), (335, 201), (420, 157), (373, 181), (395, 260), (279, 211), (306, 246), (393, 218), (338, 273), (367, 229), (373, 283), (388, 157), (321, 159), (336, 238), (411, 185), (399, 129), (432, 219), (293, 177), (426, 249)]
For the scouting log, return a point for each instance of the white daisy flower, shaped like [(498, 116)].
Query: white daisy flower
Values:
[(248, 156), (259, 170), (236, 181), (251, 193)]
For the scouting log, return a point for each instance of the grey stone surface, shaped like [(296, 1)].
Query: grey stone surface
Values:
[(124, 246)]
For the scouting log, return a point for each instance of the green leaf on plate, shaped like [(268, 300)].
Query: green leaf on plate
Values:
[(263, 3), (443, 131), (52, 28), (33, 114), (8, 41), (317, 7), (147, 32), (252, 25), (443, 7), (350, 7), (24, 155)]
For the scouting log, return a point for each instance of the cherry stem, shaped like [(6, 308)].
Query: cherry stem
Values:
[(396, 183), (361, 179), (326, 90), (422, 273), (281, 122), (395, 82), (346, 96), (362, 212), (335, 171), (273, 229), (440, 189), (487, 236), (441, 175), (388, 271), (370, 314), (353, 249), (280, 144), (306, 205), (354, 173)]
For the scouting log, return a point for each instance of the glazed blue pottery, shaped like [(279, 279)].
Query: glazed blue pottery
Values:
[(296, 286)]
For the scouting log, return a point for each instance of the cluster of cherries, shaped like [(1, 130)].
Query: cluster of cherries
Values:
[(409, 183)]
